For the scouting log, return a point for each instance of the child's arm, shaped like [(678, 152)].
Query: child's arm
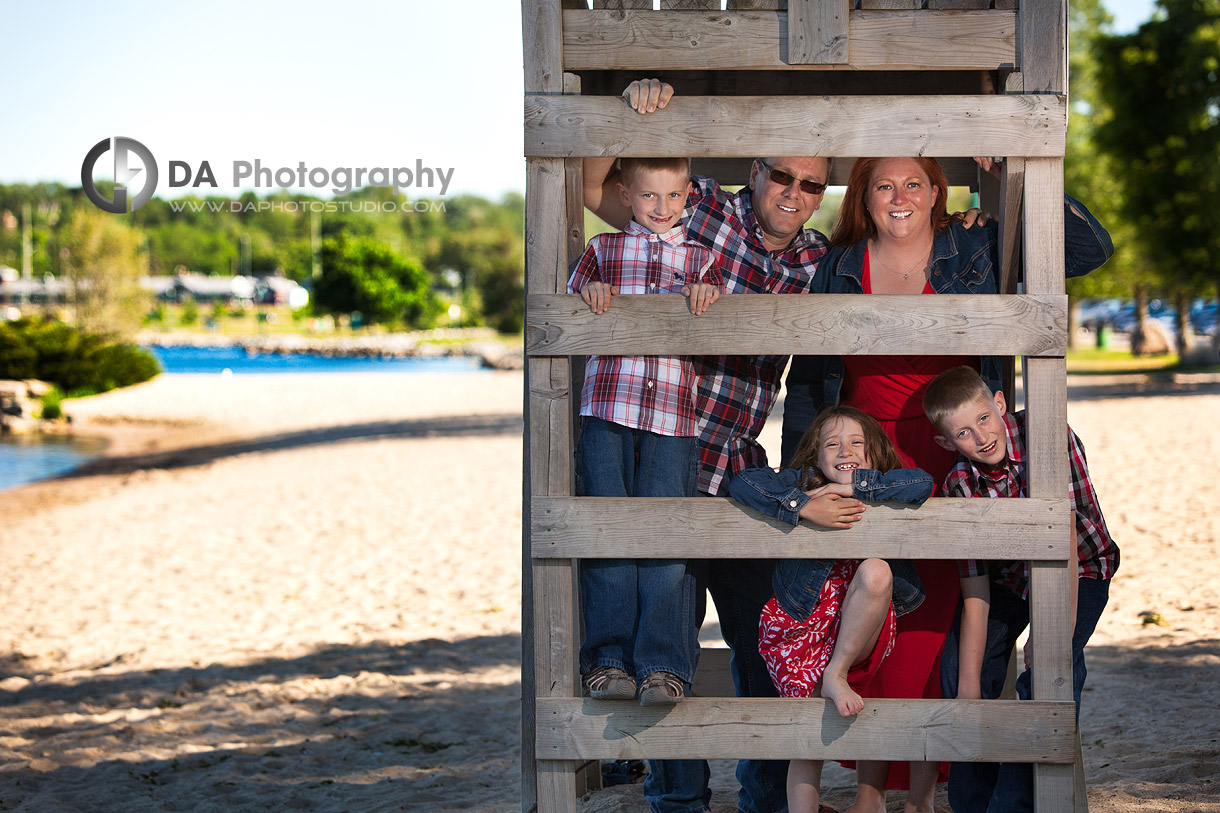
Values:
[(912, 486), (700, 295), (586, 280), (776, 494), (972, 639)]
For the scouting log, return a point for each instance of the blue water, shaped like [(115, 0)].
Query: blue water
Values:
[(217, 359), (26, 458)]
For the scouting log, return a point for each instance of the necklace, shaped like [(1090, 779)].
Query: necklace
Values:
[(925, 265)]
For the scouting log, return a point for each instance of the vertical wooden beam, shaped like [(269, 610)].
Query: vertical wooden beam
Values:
[(1044, 45), (817, 32), (1047, 461), (547, 594)]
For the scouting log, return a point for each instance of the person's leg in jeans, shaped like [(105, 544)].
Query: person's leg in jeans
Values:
[(672, 785), (1014, 790), (971, 784), (605, 467), (740, 588), (666, 639)]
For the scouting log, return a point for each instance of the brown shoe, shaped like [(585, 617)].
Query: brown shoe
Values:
[(610, 683), (661, 689)]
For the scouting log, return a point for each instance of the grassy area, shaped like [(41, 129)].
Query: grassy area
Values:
[(1094, 361), (179, 319)]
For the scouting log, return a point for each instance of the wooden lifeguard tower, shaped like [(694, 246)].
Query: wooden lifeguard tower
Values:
[(837, 78)]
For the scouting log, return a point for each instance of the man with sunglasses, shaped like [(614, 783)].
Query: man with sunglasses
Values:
[(759, 238)]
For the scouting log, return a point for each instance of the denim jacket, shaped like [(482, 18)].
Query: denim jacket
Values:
[(798, 582), (964, 261)]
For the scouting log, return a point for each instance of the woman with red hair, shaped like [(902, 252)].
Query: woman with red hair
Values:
[(893, 235)]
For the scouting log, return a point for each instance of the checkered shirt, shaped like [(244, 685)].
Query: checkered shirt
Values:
[(1096, 550), (653, 393), (737, 393)]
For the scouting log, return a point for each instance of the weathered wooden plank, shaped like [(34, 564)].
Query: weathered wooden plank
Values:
[(713, 677), (1043, 44), (1012, 192), (759, 40), (690, 5), (756, 5), (1044, 215), (817, 32), (545, 786), (718, 528), (704, 126), (783, 728), (939, 5), (736, 171), (893, 5), (660, 324)]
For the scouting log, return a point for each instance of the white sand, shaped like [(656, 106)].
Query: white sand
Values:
[(303, 592)]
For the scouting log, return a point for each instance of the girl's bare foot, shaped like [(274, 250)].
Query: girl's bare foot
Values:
[(837, 690)]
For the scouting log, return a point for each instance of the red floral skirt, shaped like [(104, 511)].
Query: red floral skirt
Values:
[(797, 652)]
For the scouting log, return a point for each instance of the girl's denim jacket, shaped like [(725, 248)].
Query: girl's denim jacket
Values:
[(798, 582), (964, 261)]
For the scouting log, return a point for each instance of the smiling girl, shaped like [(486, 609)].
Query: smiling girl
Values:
[(831, 622)]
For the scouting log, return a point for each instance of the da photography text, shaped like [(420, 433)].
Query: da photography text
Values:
[(135, 168)]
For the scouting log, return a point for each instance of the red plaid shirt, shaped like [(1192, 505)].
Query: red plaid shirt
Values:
[(653, 393), (737, 393), (1096, 550)]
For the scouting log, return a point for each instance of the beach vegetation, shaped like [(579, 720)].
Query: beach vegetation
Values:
[(367, 281), (100, 262), (74, 361)]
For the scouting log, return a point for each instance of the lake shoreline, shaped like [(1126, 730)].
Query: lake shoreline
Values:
[(481, 343)]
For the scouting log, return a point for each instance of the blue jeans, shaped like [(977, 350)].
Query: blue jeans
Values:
[(988, 787), (740, 588), (639, 614)]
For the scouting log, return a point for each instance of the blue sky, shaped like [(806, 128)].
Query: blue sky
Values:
[(364, 84)]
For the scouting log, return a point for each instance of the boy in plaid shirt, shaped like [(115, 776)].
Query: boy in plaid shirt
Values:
[(637, 439), (974, 422)]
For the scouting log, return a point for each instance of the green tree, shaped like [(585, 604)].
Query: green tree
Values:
[(100, 262), (1162, 131), (361, 275)]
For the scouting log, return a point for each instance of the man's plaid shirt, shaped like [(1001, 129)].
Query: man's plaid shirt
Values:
[(737, 393), (1096, 550), (653, 393)]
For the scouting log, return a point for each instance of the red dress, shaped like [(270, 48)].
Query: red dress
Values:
[(891, 388)]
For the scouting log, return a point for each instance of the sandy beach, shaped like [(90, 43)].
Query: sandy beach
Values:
[(302, 592)]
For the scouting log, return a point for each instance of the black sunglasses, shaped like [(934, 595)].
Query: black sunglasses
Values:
[(784, 179)]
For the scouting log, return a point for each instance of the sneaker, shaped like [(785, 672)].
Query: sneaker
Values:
[(661, 689), (610, 683)]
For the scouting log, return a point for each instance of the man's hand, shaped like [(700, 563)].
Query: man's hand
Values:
[(700, 296), (648, 95), (597, 295), (832, 511)]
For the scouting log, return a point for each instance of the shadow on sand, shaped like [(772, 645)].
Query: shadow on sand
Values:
[(255, 737), (446, 427)]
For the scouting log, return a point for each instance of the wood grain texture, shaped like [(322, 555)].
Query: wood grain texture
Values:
[(817, 32), (841, 324), (719, 528), (1043, 43), (1044, 213), (783, 728), (705, 126), (759, 40)]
